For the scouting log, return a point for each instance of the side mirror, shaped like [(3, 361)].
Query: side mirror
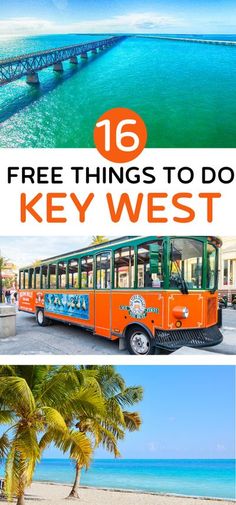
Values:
[(154, 256)]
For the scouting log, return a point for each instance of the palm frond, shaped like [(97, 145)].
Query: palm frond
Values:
[(103, 436), (60, 439), (114, 411), (129, 396), (16, 394), (7, 370), (80, 448), (6, 416), (117, 430), (132, 420), (4, 445), (88, 401), (54, 419)]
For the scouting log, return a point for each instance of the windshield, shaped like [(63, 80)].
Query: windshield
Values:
[(185, 270), (211, 266)]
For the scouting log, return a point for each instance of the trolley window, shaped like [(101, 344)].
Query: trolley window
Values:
[(62, 274), (31, 278), (21, 280), (37, 278), (186, 263), (26, 279), (149, 263), (44, 277), (103, 271), (52, 276), (73, 268), (86, 272), (124, 267)]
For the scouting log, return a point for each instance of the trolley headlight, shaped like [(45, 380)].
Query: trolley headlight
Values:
[(181, 312)]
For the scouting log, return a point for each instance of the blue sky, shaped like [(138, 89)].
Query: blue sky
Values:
[(93, 16), (187, 412)]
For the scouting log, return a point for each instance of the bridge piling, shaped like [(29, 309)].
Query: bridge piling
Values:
[(84, 56), (74, 60), (32, 78), (94, 51), (58, 67)]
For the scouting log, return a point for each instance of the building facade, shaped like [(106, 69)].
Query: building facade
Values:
[(227, 268)]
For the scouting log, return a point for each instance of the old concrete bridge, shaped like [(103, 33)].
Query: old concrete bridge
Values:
[(28, 65), (190, 39)]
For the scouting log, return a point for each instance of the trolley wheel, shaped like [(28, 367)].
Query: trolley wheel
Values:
[(139, 342), (41, 319)]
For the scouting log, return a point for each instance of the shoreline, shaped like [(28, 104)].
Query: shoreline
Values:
[(135, 491), (53, 492)]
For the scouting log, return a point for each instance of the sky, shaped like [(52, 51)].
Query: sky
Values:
[(187, 412), (32, 17), (23, 251)]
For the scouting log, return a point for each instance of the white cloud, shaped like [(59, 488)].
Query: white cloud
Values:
[(25, 26), (131, 23), (149, 22)]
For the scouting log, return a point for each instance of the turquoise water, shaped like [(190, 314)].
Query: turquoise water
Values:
[(212, 478), (184, 92), (191, 477)]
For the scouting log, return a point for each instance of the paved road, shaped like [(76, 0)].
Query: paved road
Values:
[(228, 346), (63, 339), (55, 339)]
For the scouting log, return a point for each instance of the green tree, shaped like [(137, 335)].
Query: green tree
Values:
[(110, 427), (3, 265), (98, 239), (8, 283), (36, 263), (35, 401)]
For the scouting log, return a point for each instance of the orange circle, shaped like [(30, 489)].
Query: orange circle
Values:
[(120, 135)]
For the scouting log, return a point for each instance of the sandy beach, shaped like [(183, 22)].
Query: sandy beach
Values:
[(52, 494)]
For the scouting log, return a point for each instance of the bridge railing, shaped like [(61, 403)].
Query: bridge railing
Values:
[(14, 68)]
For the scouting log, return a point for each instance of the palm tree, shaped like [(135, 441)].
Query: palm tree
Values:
[(98, 239), (99, 434), (108, 429), (77, 409), (34, 401)]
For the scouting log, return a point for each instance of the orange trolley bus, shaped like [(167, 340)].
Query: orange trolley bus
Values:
[(151, 293)]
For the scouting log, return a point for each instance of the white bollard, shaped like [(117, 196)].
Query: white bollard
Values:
[(7, 320)]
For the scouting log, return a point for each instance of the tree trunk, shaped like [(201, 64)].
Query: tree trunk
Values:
[(75, 489), (21, 500)]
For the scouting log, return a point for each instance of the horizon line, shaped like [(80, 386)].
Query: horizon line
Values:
[(113, 33)]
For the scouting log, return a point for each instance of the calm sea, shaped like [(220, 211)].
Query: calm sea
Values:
[(184, 92), (212, 478)]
